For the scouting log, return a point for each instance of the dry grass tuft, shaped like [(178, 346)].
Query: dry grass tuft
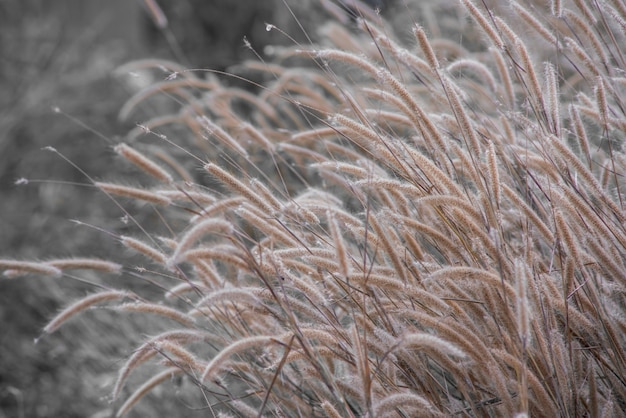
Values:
[(385, 235)]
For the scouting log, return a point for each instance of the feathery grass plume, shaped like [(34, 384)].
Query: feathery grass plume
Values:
[(189, 361), (384, 233), (14, 268), (219, 207), (181, 289), (330, 410), (573, 46), (566, 236), (176, 87), (133, 193), (481, 245), (141, 355), (86, 264), (542, 398), (587, 176), (603, 107), (452, 202), (505, 77), (484, 23), (224, 137), (467, 130), (240, 188), (619, 19), (466, 168), (416, 112), (534, 23), (606, 173), (143, 162), (354, 170), (144, 249), (388, 240), (418, 116), (493, 174), (437, 177), (564, 392), (363, 373), (160, 310), (440, 241), (267, 194), (477, 67), (207, 274), (404, 402), (224, 253), (589, 33), (340, 247), (200, 230), (154, 381), (613, 267), (534, 88), (430, 341), (467, 342), (273, 229), (508, 33), (581, 133), (621, 8), (523, 310), (401, 54), (188, 196), (236, 295), (553, 103), (427, 49), (586, 11), (258, 136), (83, 304), (244, 344)]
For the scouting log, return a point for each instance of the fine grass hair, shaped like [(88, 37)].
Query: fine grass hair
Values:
[(370, 229)]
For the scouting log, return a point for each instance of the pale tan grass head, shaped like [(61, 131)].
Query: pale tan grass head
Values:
[(393, 229)]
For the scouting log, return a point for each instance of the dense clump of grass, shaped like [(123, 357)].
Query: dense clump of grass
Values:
[(386, 231)]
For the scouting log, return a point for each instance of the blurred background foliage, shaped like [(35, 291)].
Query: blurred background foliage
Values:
[(53, 54), (60, 55)]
